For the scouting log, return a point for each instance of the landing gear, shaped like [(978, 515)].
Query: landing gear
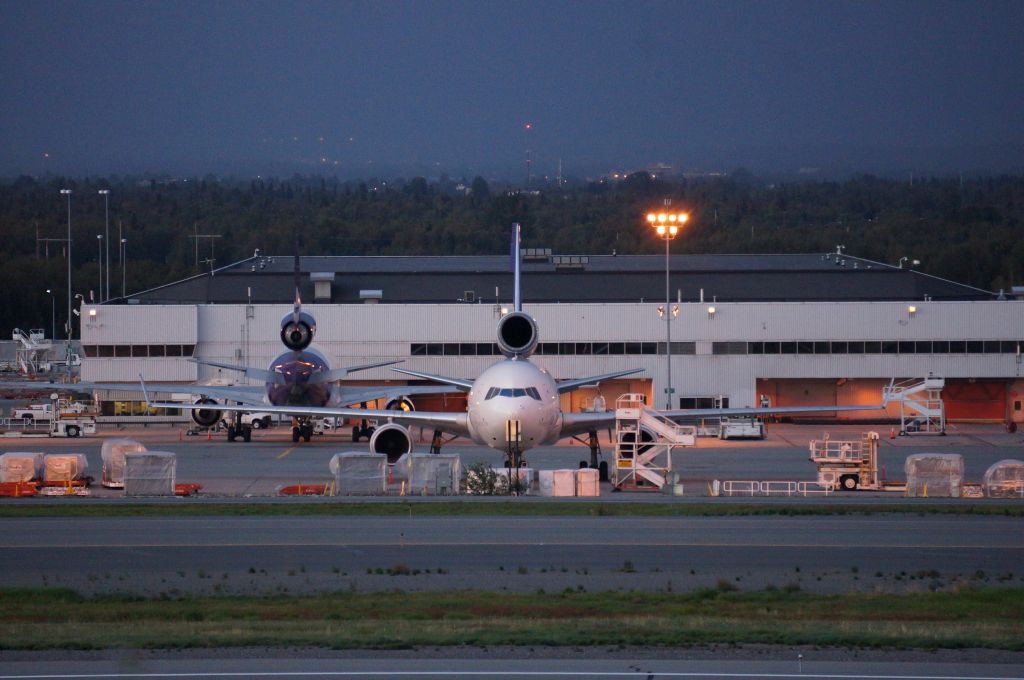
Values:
[(243, 431), (360, 431), (595, 456), (303, 431)]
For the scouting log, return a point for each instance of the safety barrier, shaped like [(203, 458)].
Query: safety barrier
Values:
[(773, 488)]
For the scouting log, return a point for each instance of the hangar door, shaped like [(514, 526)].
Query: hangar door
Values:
[(978, 400)]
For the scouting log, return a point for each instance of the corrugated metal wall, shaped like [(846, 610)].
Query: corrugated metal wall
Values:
[(355, 334)]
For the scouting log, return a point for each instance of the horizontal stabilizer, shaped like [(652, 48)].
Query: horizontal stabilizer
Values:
[(261, 374), (570, 385), (457, 382), (336, 374)]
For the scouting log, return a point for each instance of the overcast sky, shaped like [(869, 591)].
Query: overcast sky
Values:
[(352, 88)]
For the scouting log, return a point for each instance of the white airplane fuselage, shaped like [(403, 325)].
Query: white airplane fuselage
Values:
[(514, 389)]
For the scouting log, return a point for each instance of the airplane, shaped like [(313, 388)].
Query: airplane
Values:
[(300, 376), (513, 405)]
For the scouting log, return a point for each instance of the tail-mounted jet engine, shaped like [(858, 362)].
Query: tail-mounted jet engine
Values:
[(297, 331), (206, 417), (391, 439), (517, 334)]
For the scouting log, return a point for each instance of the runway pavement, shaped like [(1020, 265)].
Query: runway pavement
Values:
[(811, 665), (309, 554)]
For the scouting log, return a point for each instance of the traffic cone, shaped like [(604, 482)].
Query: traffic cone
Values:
[(892, 433), (209, 435)]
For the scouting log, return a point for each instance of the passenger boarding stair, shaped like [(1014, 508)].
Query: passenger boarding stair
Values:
[(921, 407), (644, 440), (30, 348)]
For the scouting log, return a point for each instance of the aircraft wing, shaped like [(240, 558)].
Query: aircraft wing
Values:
[(691, 413), (454, 423), (570, 385), (244, 393), (578, 423), (357, 395)]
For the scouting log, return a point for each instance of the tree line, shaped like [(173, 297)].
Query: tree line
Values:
[(969, 231)]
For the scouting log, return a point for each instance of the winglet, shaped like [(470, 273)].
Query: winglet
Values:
[(145, 393), (887, 392)]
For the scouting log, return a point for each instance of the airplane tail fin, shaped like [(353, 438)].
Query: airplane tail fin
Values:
[(516, 266), (297, 310)]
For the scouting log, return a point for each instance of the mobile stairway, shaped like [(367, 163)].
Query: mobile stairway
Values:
[(30, 348), (644, 440), (921, 407)]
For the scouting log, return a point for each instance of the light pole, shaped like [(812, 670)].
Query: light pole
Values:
[(99, 242), (124, 262), (667, 225), (106, 235), (53, 315), (67, 192)]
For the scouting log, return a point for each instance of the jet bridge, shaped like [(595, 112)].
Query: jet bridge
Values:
[(921, 407), (644, 440)]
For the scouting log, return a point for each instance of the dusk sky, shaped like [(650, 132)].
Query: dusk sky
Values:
[(358, 88)]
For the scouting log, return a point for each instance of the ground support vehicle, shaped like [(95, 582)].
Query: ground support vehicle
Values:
[(847, 464)]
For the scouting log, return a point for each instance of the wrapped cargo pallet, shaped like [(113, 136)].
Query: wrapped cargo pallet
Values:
[(429, 474), (359, 473), (1005, 479), (20, 466), (588, 482), (934, 475), (560, 483), (64, 467), (112, 453), (149, 473), (522, 480)]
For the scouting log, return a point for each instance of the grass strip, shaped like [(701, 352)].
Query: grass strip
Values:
[(63, 619), (521, 507)]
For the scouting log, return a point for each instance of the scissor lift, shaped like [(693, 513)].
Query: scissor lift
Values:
[(847, 464)]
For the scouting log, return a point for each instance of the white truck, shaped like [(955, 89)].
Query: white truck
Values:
[(44, 412)]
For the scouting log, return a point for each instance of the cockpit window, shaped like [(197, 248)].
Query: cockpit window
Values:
[(530, 392)]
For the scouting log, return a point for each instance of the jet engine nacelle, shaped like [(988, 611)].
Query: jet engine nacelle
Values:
[(517, 334), (206, 417), (400, 404), (297, 333), (646, 435), (392, 440)]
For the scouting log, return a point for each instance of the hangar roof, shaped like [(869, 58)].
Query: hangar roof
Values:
[(561, 278)]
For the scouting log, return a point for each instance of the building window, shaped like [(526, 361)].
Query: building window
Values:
[(729, 347), (873, 347)]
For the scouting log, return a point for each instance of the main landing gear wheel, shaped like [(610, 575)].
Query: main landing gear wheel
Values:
[(307, 432), (295, 435), (232, 433)]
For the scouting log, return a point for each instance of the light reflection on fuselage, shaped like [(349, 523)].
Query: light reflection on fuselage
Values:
[(297, 367)]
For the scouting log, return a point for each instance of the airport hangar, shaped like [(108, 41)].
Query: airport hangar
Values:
[(805, 329)]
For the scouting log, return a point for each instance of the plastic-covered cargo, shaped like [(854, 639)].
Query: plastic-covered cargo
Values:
[(359, 473), (588, 482), (150, 473), (112, 453), (1005, 479), (20, 466), (560, 483), (429, 474), (526, 477), (935, 475), (64, 467)]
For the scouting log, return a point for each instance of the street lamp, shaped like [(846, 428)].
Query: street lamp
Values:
[(53, 315), (99, 242), (666, 226), (105, 193), (67, 192), (124, 263)]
